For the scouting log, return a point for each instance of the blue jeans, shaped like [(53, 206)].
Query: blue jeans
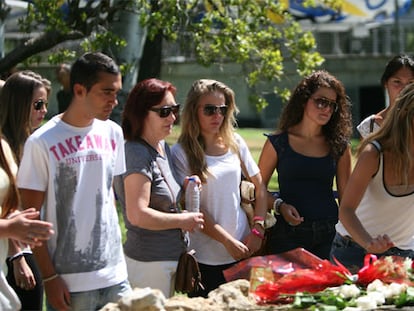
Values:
[(96, 299), (315, 236), (351, 254)]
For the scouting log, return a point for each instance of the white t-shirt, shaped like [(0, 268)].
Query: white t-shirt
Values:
[(220, 196), (75, 167)]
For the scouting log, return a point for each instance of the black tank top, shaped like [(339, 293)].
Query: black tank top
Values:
[(305, 182)]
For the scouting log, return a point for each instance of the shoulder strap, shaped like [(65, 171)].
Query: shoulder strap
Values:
[(243, 167), (149, 147), (377, 145)]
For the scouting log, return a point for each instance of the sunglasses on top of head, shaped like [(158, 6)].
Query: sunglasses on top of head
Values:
[(210, 110), (38, 104), (165, 111), (323, 103)]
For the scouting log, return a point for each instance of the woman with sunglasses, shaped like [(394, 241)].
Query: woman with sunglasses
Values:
[(18, 118), (209, 147), (40, 100), (148, 191), (376, 212), (309, 150), (398, 73)]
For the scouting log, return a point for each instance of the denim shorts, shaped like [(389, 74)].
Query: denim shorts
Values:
[(351, 254), (96, 299), (315, 236)]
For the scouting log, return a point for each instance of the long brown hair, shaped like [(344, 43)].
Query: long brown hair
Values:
[(191, 139), (15, 110), (11, 200)]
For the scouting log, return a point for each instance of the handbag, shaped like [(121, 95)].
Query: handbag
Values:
[(247, 194), (188, 275)]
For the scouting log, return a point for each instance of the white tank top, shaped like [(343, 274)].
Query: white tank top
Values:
[(380, 213)]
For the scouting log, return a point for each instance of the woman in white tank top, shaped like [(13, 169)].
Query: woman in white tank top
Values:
[(377, 209)]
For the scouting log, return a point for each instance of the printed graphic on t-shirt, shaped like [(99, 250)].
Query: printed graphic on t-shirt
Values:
[(89, 240)]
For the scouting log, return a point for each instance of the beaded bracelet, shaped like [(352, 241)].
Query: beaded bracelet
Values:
[(257, 233)]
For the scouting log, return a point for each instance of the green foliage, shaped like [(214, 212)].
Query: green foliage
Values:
[(44, 16), (257, 33), (405, 299), (260, 34), (103, 41), (60, 56)]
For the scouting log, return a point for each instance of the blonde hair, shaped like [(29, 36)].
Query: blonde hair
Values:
[(191, 139), (396, 134)]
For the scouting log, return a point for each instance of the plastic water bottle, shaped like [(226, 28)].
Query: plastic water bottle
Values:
[(192, 196)]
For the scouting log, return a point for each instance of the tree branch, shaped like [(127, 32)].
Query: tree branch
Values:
[(36, 45)]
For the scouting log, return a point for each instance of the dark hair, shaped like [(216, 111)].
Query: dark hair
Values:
[(144, 95), (46, 82), (395, 64), (15, 109), (338, 130), (86, 69)]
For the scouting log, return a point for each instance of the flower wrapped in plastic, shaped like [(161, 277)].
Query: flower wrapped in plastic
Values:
[(309, 280), (388, 269), (294, 271)]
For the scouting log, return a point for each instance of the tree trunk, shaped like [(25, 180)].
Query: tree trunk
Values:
[(126, 25), (150, 66)]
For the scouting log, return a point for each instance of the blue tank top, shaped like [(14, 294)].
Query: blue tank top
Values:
[(305, 182)]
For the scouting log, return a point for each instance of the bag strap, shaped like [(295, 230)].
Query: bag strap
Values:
[(243, 167), (151, 148)]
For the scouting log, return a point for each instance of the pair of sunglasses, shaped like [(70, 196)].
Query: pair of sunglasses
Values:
[(322, 103), (38, 104), (210, 110), (165, 111)]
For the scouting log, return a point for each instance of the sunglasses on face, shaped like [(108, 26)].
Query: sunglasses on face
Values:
[(210, 110), (38, 104), (323, 103), (165, 111)]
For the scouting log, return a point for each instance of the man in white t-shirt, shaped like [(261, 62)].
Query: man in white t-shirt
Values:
[(66, 171)]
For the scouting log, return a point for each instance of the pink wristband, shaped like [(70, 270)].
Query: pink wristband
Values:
[(258, 218), (257, 233)]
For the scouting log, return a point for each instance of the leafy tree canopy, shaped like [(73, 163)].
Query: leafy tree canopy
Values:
[(260, 34)]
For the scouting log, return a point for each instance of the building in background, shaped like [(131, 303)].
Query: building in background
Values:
[(356, 43)]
